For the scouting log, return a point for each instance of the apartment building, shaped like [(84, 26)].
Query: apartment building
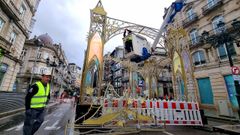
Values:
[(212, 37), (39, 54), (16, 23)]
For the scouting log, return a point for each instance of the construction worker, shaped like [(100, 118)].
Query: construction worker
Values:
[(36, 100), (128, 42)]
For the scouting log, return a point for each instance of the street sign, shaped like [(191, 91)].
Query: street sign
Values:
[(140, 83), (235, 70)]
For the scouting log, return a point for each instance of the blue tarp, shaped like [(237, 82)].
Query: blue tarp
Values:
[(145, 54), (177, 6)]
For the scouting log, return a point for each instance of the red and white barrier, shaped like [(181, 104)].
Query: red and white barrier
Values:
[(177, 113), (163, 112)]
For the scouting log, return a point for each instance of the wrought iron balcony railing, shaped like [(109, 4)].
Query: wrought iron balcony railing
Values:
[(190, 19), (193, 43), (10, 9), (227, 28), (5, 44), (211, 6)]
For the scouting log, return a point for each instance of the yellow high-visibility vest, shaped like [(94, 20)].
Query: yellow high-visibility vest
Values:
[(39, 100), (129, 37)]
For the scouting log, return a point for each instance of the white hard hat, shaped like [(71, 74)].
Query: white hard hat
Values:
[(47, 72)]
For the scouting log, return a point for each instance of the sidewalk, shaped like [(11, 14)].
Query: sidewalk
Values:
[(222, 125)]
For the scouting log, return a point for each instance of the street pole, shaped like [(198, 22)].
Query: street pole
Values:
[(34, 65), (62, 76)]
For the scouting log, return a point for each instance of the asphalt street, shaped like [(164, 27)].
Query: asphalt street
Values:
[(59, 115), (54, 122)]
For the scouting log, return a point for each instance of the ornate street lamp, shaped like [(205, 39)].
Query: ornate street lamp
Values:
[(236, 24), (221, 26), (205, 35)]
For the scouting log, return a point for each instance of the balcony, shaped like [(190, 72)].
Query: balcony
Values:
[(10, 9), (30, 4), (12, 12), (194, 43), (6, 45), (23, 28), (211, 6), (227, 28), (190, 19)]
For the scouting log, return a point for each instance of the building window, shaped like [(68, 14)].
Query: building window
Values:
[(22, 10), (3, 70), (1, 24), (12, 37), (45, 55), (198, 58), (23, 54), (194, 36), (211, 3), (205, 90), (14, 89), (190, 14), (222, 51), (215, 23), (39, 55)]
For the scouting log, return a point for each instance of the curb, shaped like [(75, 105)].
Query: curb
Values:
[(224, 119), (204, 128)]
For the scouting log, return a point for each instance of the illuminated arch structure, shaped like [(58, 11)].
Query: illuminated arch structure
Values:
[(102, 29)]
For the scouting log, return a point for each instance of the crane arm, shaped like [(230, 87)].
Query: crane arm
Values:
[(164, 24), (166, 21)]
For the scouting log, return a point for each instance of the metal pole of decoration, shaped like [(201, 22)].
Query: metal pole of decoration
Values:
[(53, 66), (39, 43)]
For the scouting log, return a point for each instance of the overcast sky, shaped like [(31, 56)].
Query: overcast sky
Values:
[(68, 21)]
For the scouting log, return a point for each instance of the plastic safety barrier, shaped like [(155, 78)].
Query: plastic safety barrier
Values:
[(162, 112)]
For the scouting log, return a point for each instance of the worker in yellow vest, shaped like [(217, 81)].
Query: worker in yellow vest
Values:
[(36, 100), (128, 42)]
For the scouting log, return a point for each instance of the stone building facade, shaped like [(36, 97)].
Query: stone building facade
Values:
[(39, 54), (114, 72), (213, 79), (76, 75), (16, 22)]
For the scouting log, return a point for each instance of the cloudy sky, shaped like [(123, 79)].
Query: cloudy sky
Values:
[(68, 21)]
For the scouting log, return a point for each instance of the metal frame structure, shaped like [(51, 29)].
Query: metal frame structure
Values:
[(108, 28)]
